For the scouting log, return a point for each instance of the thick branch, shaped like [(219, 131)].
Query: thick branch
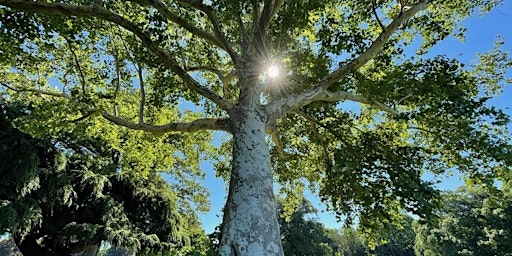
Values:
[(255, 16), (225, 79), (101, 13), (375, 48), (164, 10), (269, 10), (337, 96), (265, 16), (218, 39), (292, 102), (244, 40), (320, 92), (218, 124)]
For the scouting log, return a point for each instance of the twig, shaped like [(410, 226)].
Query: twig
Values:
[(77, 63), (374, 9), (142, 95)]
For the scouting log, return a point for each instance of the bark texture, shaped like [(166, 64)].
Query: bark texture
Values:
[(250, 215)]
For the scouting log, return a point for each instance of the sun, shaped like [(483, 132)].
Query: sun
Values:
[(273, 71)]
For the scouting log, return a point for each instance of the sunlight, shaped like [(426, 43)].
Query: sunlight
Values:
[(273, 71)]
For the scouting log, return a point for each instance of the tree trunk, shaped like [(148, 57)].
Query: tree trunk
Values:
[(91, 250), (250, 226), (29, 246)]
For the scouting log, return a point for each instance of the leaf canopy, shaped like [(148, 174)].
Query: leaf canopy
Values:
[(352, 116), (67, 193)]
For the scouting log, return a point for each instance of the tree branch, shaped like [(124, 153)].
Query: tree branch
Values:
[(255, 16), (77, 63), (320, 92), (374, 9), (261, 21), (38, 91), (218, 124), (375, 48), (142, 95), (403, 98), (225, 79), (101, 13), (118, 80), (294, 101), (164, 10), (337, 96), (204, 68), (274, 133), (218, 39), (313, 120), (269, 10), (216, 27), (244, 39)]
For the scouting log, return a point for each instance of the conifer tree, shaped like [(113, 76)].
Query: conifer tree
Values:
[(64, 195)]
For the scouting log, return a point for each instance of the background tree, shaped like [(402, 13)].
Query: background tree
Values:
[(302, 234), (132, 62), (66, 194), (351, 243), (113, 251), (473, 221), (398, 241)]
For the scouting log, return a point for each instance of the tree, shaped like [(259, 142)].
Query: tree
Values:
[(302, 235), (473, 221), (351, 243), (66, 195), (399, 241), (145, 56)]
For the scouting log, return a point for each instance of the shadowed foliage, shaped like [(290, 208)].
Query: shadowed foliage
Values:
[(63, 195)]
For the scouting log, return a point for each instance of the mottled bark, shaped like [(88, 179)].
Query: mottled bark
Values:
[(250, 215)]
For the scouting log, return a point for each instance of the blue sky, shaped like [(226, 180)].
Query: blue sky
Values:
[(481, 36)]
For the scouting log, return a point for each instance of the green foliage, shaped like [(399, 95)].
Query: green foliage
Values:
[(348, 242), (473, 221), (67, 193), (398, 240), (136, 61), (370, 164), (302, 235)]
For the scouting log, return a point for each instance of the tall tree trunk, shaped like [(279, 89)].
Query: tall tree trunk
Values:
[(250, 225)]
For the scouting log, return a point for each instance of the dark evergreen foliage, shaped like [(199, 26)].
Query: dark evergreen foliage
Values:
[(60, 195)]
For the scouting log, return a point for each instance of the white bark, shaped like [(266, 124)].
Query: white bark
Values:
[(250, 215)]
